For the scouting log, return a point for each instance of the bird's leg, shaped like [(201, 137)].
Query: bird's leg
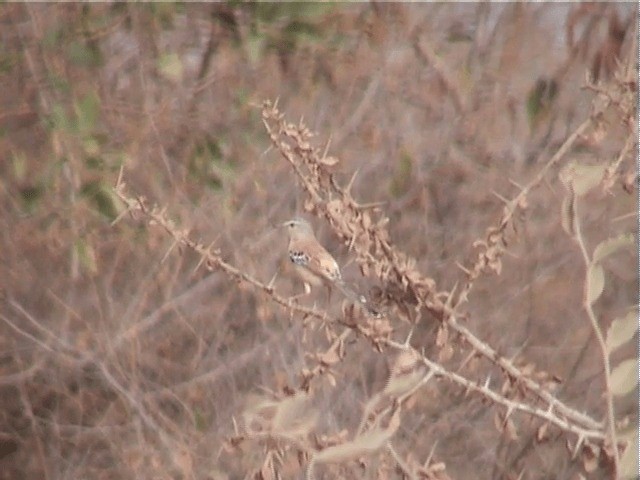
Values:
[(307, 291), (329, 292)]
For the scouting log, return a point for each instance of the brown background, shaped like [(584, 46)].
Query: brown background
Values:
[(436, 106)]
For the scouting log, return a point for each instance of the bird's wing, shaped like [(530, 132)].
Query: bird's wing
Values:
[(314, 257)]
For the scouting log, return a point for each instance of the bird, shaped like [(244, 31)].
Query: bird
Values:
[(314, 264)]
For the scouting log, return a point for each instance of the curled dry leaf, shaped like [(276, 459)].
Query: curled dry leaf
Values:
[(612, 245), (442, 337), (445, 353), (568, 214), (541, 434), (398, 385), (582, 178), (590, 454), (330, 357), (405, 362), (329, 161), (624, 377), (622, 330), (362, 445), (505, 426)]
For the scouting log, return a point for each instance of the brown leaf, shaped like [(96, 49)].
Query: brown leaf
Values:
[(590, 454), (329, 161), (510, 429), (442, 336), (445, 353), (541, 434)]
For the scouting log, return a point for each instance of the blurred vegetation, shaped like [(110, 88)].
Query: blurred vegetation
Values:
[(437, 107)]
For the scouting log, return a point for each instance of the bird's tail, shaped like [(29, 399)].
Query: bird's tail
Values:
[(354, 297)]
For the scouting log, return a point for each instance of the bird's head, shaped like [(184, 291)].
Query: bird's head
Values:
[(298, 228)]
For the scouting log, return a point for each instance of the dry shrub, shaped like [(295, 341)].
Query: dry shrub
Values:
[(466, 184)]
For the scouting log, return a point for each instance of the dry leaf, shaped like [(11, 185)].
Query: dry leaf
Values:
[(329, 161)]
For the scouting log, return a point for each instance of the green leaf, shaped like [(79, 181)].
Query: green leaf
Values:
[(209, 165), (87, 111), (31, 196), (102, 199), (59, 119), (52, 37), (539, 100), (582, 178), (170, 67), (165, 13), (402, 175), (629, 459), (7, 61), (87, 256), (95, 163), (254, 46), (91, 146), (607, 247), (624, 378), (84, 55), (595, 283), (58, 82), (199, 420), (622, 330), (19, 164)]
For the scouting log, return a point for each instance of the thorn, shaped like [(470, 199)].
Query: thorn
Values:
[(466, 360), (625, 216), (408, 339), (487, 382), (433, 449), (513, 182), (199, 264), (578, 445), (122, 214), (272, 281), (205, 254), (175, 242), (267, 150), (449, 301), (519, 350), (500, 197), (459, 265), (326, 148), (119, 180), (508, 414), (350, 184), (365, 206)]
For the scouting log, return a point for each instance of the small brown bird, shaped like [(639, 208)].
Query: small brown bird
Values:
[(314, 264)]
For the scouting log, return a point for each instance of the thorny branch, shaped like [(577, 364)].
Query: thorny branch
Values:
[(375, 253), (377, 331)]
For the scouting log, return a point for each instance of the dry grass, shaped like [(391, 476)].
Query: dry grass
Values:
[(147, 327)]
